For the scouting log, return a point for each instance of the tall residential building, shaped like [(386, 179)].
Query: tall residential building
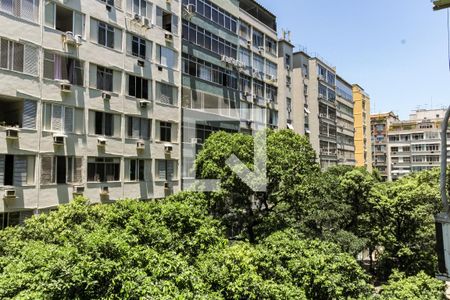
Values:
[(89, 102), (230, 71), (380, 124), (415, 144), (363, 143), (345, 123)]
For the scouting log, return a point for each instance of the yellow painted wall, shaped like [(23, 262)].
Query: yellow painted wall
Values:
[(363, 142)]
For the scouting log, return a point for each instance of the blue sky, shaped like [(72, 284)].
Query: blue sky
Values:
[(395, 49)]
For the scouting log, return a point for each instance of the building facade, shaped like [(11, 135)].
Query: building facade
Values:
[(89, 102), (380, 124), (415, 145), (345, 123), (363, 142)]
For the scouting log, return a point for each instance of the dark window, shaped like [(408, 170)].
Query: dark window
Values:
[(9, 170), (61, 170), (105, 35), (103, 169), (138, 47), (137, 168), (64, 19), (165, 131), (104, 79), (104, 124), (137, 87)]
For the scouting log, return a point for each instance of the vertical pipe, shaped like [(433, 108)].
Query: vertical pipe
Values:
[(443, 179)]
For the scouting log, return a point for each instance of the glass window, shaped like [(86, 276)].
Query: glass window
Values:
[(165, 131)]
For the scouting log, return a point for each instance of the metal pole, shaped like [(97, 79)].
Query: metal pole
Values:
[(444, 160)]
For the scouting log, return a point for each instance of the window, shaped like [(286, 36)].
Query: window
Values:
[(19, 57), (61, 169), (245, 57), (208, 40), (16, 170), (166, 20), (214, 13), (272, 93), (271, 46), (64, 19), (103, 169), (138, 87), (207, 71), (165, 131), (166, 93), (59, 67), (25, 9), (245, 84), (104, 79), (287, 60), (258, 38), (244, 31), (59, 118), (18, 113), (104, 123), (166, 57), (258, 64), (136, 170), (140, 8), (271, 70), (138, 47), (166, 169), (138, 128), (258, 88), (105, 35)]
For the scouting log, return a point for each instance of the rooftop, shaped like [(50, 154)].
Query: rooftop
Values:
[(259, 12)]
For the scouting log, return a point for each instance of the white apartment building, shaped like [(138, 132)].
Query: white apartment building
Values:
[(415, 145), (89, 102)]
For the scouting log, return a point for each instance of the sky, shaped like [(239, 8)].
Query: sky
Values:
[(396, 50)]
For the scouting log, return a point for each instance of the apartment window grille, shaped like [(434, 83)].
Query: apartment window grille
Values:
[(138, 87), (166, 93), (103, 169), (58, 67)]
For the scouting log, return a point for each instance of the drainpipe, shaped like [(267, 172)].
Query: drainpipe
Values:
[(443, 179)]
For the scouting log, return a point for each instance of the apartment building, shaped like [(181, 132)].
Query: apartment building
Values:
[(380, 124), (345, 123), (89, 102), (415, 144), (363, 141), (230, 72)]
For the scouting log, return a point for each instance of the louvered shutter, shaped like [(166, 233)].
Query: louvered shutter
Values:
[(68, 119), (4, 50), (174, 24), (31, 60), (20, 170), (27, 11), (136, 127), (2, 169), (18, 57), (170, 170), (162, 169), (56, 118), (78, 170), (47, 170), (29, 114)]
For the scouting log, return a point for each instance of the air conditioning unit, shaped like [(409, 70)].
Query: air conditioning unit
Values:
[(249, 44), (104, 191), (10, 194), (166, 186), (140, 145), (78, 190), (143, 103), (261, 49), (288, 67), (249, 97), (65, 87), (58, 140), (196, 141), (321, 96), (70, 38), (190, 8), (321, 77), (106, 96), (168, 148), (137, 17), (249, 123), (101, 142), (12, 133), (168, 37), (147, 23)]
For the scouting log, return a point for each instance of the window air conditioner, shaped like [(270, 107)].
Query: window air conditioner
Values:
[(143, 103), (146, 23), (196, 141), (10, 194), (78, 190), (104, 191), (106, 96), (140, 145), (191, 8), (168, 148), (101, 142), (168, 37), (66, 87), (12, 133), (58, 140)]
